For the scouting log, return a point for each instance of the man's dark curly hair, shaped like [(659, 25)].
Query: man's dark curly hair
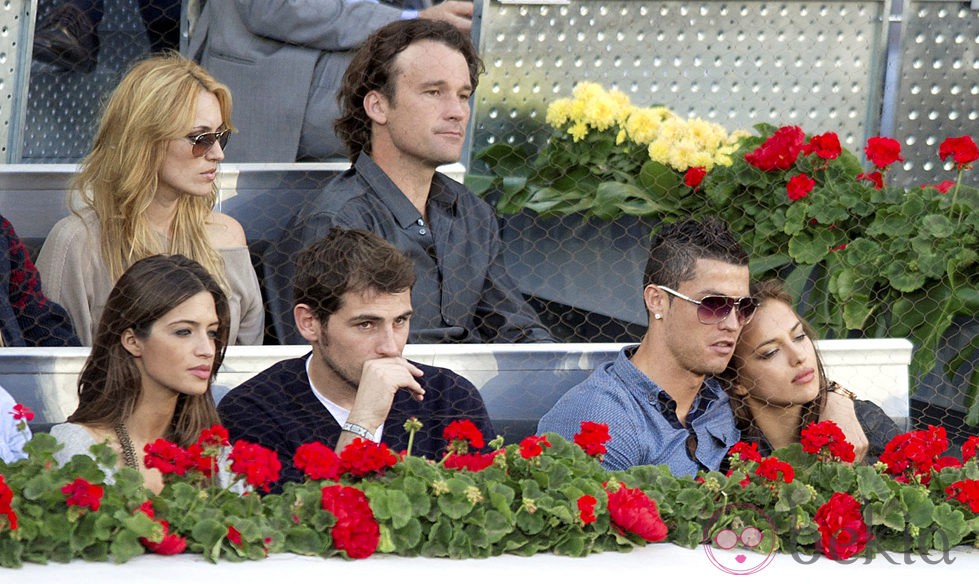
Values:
[(372, 69), (675, 249), (348, 260)]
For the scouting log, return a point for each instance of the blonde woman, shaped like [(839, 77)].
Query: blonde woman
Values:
[(148, 187)]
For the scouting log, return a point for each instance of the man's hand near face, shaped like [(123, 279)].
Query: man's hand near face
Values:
[(380, 380), (458, 13)]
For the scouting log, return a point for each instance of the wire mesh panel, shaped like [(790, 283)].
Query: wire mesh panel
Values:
[(16, 18), (815, 64), (69, 82), (939, 86)]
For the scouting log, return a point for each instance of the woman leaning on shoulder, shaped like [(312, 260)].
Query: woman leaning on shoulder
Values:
[(148, 187), (159, 345), (777, 382)]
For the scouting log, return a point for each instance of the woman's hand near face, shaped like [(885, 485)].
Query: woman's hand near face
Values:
[(840, 410)]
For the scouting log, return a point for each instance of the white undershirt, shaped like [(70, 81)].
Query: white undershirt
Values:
[(339, 413)]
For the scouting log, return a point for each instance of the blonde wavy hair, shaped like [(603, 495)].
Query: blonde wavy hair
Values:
[(153, 104)]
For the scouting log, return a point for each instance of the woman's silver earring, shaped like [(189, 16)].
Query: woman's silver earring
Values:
[(658, 316)]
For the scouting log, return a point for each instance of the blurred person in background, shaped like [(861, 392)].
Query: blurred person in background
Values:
[(67, 37), (14, 432), (28, 318), (284, 62), (148, 187)]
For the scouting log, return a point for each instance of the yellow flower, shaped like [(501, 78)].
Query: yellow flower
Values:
[(559, 112), (642, 125), (600, 113), (659, 151), (578, 131)]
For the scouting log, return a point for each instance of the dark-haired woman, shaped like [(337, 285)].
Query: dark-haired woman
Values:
[(777, 382), (156, 351)]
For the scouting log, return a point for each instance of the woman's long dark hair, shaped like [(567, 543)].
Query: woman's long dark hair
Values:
[(767, 291), (110, 383)]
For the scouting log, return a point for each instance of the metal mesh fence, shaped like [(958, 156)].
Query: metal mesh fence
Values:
[(575, 205)]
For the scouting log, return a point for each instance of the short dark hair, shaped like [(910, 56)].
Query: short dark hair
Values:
[(675, 249), (348, 260), (372, 69)]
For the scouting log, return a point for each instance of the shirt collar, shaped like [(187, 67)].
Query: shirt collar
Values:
[(649, 390), (391, 196)]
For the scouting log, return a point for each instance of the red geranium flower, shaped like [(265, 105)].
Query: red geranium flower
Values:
[(22, 412), (875, 177), (780, 151), (202, 461), (826, 146), (82, 493), (234, 536), (942, 187), (969, 448), (168, 458), (473, 461), (318, 461), (844, 532), (6, 504), (356, 531), (883, 152), (586, 508), (743, 483), (694, 176), (215, 436), (962, 150), (774, 470), (362, 457), (632, 510), (259, 465), (533, 446), (747, 451), (965, 491), (911, 456), (799, 187), (463, 431), (592, 438), (946, 462), (820, 438), (169, 545)]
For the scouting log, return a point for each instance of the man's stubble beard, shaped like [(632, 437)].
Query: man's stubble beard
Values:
[(323, 344)]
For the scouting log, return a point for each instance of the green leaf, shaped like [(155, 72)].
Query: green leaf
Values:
[(937, 226), (304, 541), (811, 247), (919, 507), (659, 178)]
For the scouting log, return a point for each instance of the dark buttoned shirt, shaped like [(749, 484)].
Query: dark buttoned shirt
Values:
[(462, 291)]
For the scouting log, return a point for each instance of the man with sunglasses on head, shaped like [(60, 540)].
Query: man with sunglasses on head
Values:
[(660, 398)]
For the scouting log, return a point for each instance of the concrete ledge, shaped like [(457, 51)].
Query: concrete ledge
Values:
[(518, 382)]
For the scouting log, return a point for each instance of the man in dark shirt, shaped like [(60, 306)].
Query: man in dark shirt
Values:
[(405, 106), (353, 306)]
